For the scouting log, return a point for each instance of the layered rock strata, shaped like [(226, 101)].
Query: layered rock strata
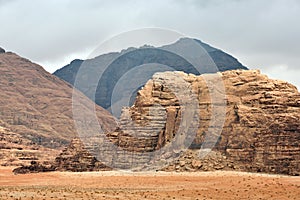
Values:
[(260, 129)]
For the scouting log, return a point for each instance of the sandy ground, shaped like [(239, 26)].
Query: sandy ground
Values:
[(156, 185)]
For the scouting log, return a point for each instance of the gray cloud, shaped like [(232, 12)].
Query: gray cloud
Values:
[(261, 34)]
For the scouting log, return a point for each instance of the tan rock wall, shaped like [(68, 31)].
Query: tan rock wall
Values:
[(261, 130)]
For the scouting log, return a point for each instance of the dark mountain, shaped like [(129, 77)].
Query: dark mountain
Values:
[(2, 50), (114, 78)]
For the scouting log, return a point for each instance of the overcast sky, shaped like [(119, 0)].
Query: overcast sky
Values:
[(260, 34)]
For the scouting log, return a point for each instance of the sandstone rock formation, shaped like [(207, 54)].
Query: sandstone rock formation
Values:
[(73, 158), (16, 150), (261, 131), (35, 167), (36, 108), (77, 159)]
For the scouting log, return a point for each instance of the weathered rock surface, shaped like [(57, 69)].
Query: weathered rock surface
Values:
[(261, 131), (74, 158), (191, 162), (77, 159), (16, 150), (35, 167)]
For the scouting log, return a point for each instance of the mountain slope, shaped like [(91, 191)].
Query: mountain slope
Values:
[(125, 61), (16, 150), (37, 105)]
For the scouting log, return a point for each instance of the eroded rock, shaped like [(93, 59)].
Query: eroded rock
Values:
[(261, 131)]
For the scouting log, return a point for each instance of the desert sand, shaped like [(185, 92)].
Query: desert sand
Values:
[(147, 185)]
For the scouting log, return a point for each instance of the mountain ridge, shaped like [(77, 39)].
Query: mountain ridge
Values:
[(119, 63)]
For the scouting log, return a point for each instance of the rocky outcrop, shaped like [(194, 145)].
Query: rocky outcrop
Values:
[(16, 150), (191, 162), (265, 134), (261, 131), (34, 167), (73, 158), (77, 159)]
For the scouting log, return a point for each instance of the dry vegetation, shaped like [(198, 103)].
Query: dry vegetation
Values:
[(159, 185)]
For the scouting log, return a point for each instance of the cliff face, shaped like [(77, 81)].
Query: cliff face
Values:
[(265, 133), (260, 131)]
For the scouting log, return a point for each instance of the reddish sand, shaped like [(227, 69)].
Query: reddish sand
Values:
[(156, 185)]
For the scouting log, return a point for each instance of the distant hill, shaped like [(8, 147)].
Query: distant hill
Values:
[(2, 50), (127, 60), (36, 106)]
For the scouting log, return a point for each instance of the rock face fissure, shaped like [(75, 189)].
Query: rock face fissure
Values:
[(261, 131)]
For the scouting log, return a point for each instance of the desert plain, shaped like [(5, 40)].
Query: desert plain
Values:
[(147, 185)]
